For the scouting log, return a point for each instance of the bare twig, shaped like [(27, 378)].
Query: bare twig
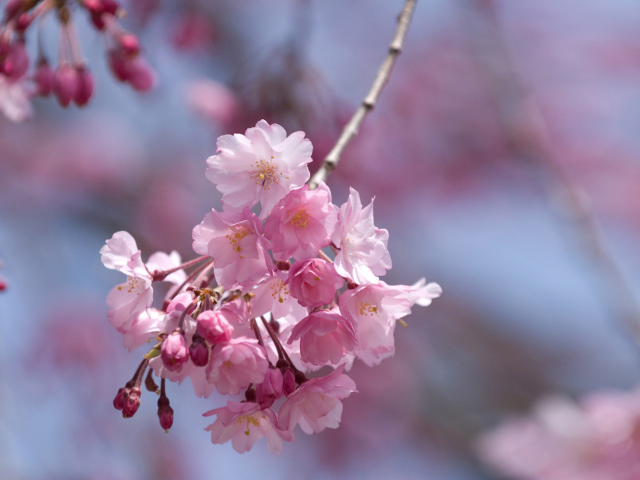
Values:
[(351, 129), (528, 139)]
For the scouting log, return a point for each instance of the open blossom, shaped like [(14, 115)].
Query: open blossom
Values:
[(314, 282), (325, 337), (301, 223), (260, 166), (237, 364), (147, 326), (595, 439), (234, 240), (15, 103), (244, 424), (363, 254), (316, 404), (375, 309), (274, 295)]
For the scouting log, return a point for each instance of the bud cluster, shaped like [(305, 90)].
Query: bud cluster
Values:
[(264, 307), (70, 80)]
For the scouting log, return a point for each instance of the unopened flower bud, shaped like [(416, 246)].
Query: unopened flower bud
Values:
[(65, 84), (141, 76), (129, 44), (199, 351), (84, 86), (174, 352), (270, 389), (288, 382), (119, 65), (16, 62), (121, 398), (24, 21), (165, 413), (132, 403), (283, 265), (43, 78), (214, 327)]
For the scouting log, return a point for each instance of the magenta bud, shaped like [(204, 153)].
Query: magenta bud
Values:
[(214, 327), (283, 265), (43, 78), (165, 413), (65, 84), (119, 65), (129, 43), (84, 86), (16, 62), (3, 285), (121, 398), (199, 351), (132, 403), (174, 352), (24, 21), (141, 76), (110, 6), (271, 388), (94, 7), (288, 382)]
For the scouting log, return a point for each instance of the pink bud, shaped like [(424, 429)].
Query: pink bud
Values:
[(270, 389), (24, 21), (132, 402), (110, 6), (314, 282), (129, 43), (141, 76), (17, 61), (165, 413), (43, 78), (119, 65), (121, 398), (174, 352), (84, 88), (288, 382), (3, 284), (214, 327), (65, 84), (198, 351)]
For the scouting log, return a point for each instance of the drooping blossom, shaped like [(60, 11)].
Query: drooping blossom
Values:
[(262, 165), (363, 255), (375, 310), (314, 282), (316, 404), (175, 352), (301, 223), (214, 327), (244, 424), (15, 103), (274, 295), (325, 337), (237, 364), (595, 439), (234, 240)]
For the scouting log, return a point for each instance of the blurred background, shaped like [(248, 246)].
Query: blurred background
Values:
[(504, 159)]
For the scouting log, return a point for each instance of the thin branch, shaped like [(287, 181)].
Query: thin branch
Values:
[(351, 129)]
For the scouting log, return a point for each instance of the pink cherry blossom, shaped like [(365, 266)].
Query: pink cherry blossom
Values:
[(175, 352), (301, 223), (15, 103), (121, 253), (314, 282), (147, 326), (273, 295), (375, 309), (363, 254), (270, 389), (213, 100), (260, 166), (237, 364), (234, 240), (325, 337), (214, 327), (244, 424), (316, 404)]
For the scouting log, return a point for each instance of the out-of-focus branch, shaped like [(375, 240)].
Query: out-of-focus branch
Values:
[(528, 139), (351, 129)]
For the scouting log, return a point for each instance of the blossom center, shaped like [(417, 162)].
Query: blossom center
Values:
[(236, 235), (265, 173), (300, 218), (132, 284), (368, 309), (251, 420), (279, 290)]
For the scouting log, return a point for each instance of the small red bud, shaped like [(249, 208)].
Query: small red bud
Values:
[(16, 62), (129, 43), (165, 413), (141, 76), (65, 84), (84, 87), (133, 402), (199, 351), (24, 21), (43, 78), (121, 398)]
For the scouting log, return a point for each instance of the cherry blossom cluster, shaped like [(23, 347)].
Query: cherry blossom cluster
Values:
[(596, 439), (264, 307), (70, 80)]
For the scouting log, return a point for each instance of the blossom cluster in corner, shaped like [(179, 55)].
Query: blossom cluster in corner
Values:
[(264, 307)]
